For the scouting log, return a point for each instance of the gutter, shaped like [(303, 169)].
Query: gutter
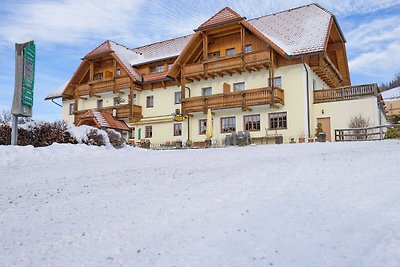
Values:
[(308, 102)]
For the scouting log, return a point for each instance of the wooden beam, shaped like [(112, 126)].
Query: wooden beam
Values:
[(205, 46), (183, 87)]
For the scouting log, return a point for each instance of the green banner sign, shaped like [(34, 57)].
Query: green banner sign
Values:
[(28, 78), (27, 97)]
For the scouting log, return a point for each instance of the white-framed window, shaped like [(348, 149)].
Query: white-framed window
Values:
[(150, 101), (239, 86), (248, 48), (148, 133), (100, 103), (71, 108), (178, 96), (277, 82), (206, 91), (118, 73), (230, 51)]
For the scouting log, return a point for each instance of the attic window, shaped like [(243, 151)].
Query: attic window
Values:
[(157, 69), (98, 76), (214, 55), (248, 48), (230, 51), (118, 72)]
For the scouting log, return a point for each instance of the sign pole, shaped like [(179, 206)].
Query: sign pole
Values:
[(14, 130), (24, 84)]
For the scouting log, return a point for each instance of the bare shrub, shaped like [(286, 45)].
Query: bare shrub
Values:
[(116, 139), (356, 123)]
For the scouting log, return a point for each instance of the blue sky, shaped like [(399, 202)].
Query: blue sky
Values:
[(64, 31)]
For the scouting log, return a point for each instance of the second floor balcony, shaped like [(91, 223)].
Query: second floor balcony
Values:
[(103, 85), (345, 93), (242, 99), (228, 65)]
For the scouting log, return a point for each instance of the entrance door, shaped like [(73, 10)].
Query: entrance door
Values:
[(326, 127)]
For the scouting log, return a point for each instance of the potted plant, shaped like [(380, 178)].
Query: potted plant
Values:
[(302, 139), (292, 141)]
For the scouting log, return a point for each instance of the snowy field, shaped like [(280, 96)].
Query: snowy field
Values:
[(278, 205)]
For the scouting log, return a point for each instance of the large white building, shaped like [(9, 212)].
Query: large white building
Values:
[(276, 75)]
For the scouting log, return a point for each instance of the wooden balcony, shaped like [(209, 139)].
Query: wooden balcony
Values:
[(104, 85), (345, 93), (133, 114), (228, 65), (242, 99), (326, 70)]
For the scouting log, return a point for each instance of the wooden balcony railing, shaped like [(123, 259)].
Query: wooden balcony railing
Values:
[(104, 85), (123, 112), (345, 93), (242, 99), (258, 59)]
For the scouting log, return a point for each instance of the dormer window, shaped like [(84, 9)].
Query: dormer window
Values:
[(157, 69)]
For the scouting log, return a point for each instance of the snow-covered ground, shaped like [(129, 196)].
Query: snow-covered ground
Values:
[(278, 205)]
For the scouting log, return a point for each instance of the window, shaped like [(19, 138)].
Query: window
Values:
[(278, 120), (100, 103), (134, 99), (170, 65), (133, 133), (228, 124), (178, 96), (177, 129), (98, 76), (214, 55), (230, 51), (238, 87), (71, 108), (156, 69), (206, 91), (148, 132), (118, 72), (277, 82), (248, 48), (252, 122), (150, 101), (202, 126)]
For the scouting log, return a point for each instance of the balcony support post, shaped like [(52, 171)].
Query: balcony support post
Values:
[(131, 92)]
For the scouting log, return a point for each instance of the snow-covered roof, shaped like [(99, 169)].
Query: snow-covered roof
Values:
[(103, 120), (57, 93), (391, 94), (297, 31), (160, 50)]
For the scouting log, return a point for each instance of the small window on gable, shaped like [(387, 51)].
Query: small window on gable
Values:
[(98, 76), (230, 51), (248, 48), (118, 72), (238, 86), (214, 55)]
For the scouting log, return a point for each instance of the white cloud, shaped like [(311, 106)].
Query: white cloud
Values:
[(68, 21), (375, 47)]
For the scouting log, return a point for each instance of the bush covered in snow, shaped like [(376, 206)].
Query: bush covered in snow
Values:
[(45, 134)]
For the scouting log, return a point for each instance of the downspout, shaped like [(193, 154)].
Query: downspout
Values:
[(188, 117), (52, 100), (308, 102)]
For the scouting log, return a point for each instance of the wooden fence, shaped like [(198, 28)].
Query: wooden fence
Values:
[(363, 134)]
